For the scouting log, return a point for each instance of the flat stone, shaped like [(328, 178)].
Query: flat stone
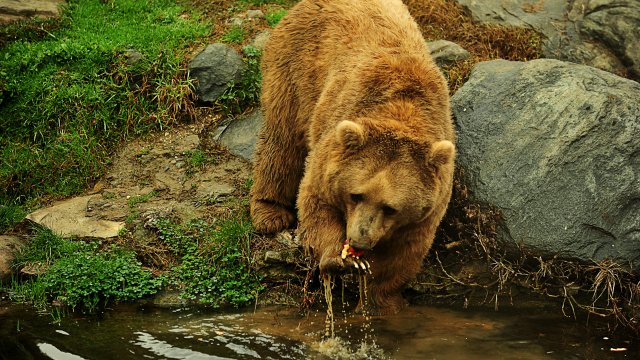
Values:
[(240, 135), (255, 14), (69, 218), (14, 10), (260, 41), (214, 189), (446, 52)]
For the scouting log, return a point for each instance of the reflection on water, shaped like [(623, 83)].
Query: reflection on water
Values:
[(420, 332)]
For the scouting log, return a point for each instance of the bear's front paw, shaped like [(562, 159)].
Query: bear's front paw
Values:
[(270, 218), (338, 264)]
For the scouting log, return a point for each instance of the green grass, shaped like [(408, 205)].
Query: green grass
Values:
[(273, 17), (242, 3), (197, 158), (139, 199), (47, 247), (235, 35), (68, 96), (79, 274), (10, 215), (215, 261), (241, 95), (28, 30)]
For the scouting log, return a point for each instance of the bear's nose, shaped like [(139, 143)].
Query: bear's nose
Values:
[(360, 245)]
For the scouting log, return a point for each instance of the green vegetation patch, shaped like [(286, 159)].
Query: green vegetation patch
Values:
[(246, 93), (273, 17), (234, 35), (78, 274), (139, 199), (10, 215), (113, 69), (215, 261)]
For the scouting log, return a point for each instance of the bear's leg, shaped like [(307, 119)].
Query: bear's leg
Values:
[(392, 267), (278, 161), (322, 230), (380, 303)]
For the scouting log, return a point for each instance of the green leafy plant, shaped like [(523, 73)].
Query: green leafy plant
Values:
[(273, 17), (87, 278), (215, 263), (78, 274)]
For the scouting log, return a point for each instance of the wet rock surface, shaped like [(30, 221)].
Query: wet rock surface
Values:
[(554, 146)]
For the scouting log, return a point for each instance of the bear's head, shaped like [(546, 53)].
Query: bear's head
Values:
[(386, 180)]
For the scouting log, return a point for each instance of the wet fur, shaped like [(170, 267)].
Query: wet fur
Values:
[(363, 61)]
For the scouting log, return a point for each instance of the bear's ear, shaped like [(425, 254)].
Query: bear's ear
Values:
[(442, 152), (350, 134)]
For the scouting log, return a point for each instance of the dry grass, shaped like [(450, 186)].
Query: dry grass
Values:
[(442, 19), (468, 264)]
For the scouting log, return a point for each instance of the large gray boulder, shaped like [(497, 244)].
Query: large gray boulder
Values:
[(521, 13), (215, 69), (600, 33), (556, 147)]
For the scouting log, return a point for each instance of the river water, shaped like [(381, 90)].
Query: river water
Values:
[(419, 332)]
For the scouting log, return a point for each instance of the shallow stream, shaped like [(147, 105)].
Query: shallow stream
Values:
[(419, 332)]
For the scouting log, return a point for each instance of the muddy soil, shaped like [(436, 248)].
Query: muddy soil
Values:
[(179, 173)]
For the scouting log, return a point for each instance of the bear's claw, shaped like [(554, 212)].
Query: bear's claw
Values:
[(337, 265), (362, 264)]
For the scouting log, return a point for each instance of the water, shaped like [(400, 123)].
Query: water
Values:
[(419, 332)]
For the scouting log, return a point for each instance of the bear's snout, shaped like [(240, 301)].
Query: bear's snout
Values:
[(361, 245), (362, 238)]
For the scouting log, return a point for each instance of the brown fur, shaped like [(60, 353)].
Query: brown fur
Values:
[(357, 130)]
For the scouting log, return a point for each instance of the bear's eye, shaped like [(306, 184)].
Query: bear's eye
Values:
[(356, 198), (388, 210)]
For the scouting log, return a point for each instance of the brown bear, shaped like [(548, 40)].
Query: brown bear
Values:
[(358, 136)]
